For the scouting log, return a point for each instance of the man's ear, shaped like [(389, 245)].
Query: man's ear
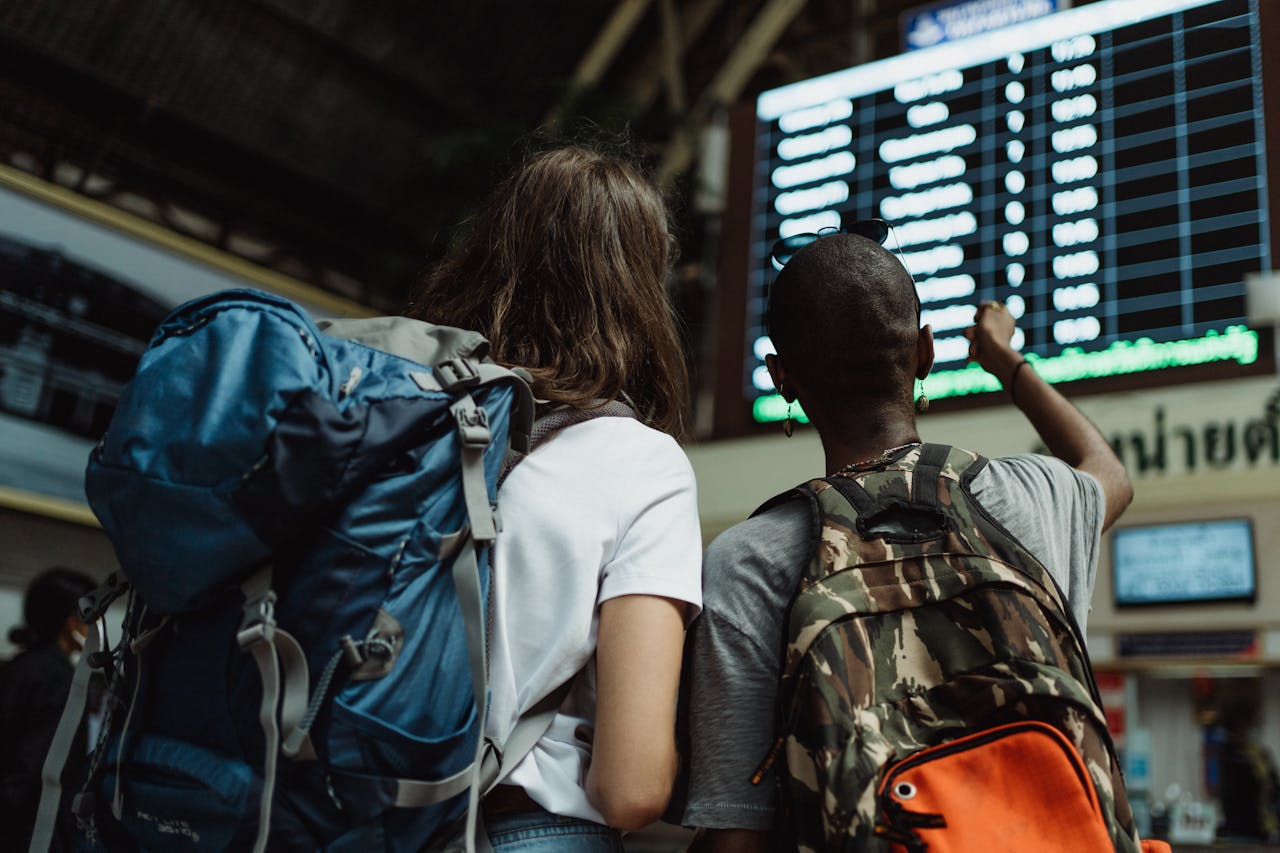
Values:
[(779, 376), (924, 352)]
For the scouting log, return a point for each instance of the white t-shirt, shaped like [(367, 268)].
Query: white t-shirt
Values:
[(602, 509)]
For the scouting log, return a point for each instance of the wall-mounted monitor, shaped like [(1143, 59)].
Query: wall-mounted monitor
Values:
[(1102, 170), (1183, 563)]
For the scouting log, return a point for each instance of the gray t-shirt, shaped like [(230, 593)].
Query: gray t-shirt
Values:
[(732, 654)]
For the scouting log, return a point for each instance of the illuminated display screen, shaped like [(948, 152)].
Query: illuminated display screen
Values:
[(1176, 563), (1101, 170)]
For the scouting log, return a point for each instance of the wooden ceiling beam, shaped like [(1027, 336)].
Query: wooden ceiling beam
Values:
[(752, 49), (647, 80), (595, 62), (672, 56)]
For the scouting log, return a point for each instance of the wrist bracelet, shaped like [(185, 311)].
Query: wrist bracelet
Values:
[(1013, 381)]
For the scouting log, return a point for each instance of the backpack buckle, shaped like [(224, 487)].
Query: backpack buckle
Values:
[(473, 426), (259, 622), (455, 373), (93, 605)]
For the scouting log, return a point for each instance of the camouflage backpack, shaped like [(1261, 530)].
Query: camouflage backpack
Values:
[(936, 692)]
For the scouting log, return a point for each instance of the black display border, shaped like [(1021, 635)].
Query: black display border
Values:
[(733, 413), (1251, 598)]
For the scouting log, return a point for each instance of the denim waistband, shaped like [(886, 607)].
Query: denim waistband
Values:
[(543, 832)]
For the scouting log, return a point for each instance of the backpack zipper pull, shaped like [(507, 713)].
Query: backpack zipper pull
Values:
[(768, 761), (353, 379)]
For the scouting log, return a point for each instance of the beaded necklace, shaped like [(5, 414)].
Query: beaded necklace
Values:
[(882, 459)]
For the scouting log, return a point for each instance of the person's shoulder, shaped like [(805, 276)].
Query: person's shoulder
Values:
[(1037, 478), (749, 572), (778, 529), (786, 512), (622, 469), (1034, 466)]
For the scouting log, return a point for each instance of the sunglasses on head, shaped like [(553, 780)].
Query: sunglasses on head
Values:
[(873, 229)]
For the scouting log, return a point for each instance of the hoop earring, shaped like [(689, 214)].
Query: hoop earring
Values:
[(922, 402)]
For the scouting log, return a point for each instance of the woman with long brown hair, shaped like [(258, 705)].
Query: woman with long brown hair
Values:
[(597, 570)]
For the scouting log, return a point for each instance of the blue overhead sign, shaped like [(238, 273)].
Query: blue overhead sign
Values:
[(949, 21)]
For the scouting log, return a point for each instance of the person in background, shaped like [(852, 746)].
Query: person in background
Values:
[(844, 319), (33, 689), (1250, 786), (599, 563)]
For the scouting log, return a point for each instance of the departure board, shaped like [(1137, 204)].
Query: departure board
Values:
[(1101, 170)]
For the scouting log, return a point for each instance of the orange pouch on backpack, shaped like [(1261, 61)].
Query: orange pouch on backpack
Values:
[(1018, 787)]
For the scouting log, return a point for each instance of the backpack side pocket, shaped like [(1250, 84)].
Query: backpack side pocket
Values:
[(1017, 787), (178, 796)]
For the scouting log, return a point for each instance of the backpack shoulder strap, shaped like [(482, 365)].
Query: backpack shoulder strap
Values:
[(559, 418), (1002, 543), (898, 502), (800, 492), (528, 730)]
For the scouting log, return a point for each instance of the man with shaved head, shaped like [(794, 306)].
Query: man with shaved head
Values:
[(845, 322)]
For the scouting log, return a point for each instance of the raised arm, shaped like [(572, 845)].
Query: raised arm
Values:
[(633, 757), (1067, 433)]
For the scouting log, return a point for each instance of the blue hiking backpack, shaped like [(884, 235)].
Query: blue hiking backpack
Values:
[(303, 514)]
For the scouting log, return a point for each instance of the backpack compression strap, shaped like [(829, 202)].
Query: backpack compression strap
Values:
[(282, 666), (92, 609), (284, 674), (72, 712), (490, 765), (455, 376)]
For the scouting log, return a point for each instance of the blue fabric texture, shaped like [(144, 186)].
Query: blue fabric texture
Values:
[(249, 436), (543, 832)]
